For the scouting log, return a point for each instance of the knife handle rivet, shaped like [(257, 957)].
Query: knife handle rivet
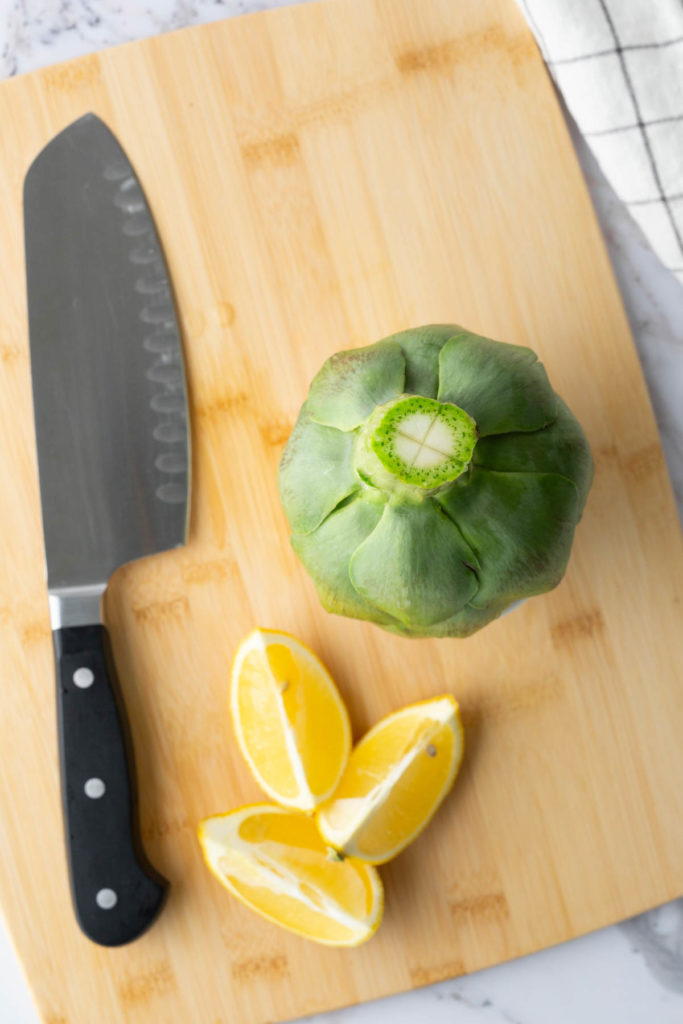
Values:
[(83, 678), (106, 899), (95, 788)]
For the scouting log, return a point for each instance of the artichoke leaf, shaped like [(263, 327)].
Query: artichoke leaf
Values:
[(503, 387), (559, 448), (465, 622), (415, 565), (326, 552), (352, 383), (316, 473), (521, 527), (421, 347)]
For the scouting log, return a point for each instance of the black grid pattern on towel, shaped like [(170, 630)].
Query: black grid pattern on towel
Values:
[(640, 123)]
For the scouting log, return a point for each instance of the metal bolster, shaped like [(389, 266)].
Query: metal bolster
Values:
[(76, 606)]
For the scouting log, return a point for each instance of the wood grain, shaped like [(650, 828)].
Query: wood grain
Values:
[(322, 176)]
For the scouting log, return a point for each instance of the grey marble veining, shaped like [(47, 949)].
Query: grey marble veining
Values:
[(38, 33), (658, 936), (631, 973)]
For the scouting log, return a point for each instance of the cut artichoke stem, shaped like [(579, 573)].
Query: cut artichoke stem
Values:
[(415, 445)]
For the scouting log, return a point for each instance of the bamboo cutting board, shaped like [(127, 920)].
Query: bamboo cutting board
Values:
[(323, 176)]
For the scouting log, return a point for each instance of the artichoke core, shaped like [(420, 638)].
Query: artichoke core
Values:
[(414, 444)]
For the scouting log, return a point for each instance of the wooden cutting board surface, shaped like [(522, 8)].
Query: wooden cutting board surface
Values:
[(323, 176)]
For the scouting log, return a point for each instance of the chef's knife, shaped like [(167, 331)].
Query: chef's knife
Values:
[(111, 426)]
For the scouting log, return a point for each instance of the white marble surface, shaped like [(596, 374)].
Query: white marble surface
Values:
[(631, 973)]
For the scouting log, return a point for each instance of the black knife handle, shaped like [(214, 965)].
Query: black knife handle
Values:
[(116, 893)]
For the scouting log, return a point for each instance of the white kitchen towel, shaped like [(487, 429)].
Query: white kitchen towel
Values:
[(619, 67)]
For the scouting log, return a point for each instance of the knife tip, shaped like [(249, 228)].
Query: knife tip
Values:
[(88, 122)]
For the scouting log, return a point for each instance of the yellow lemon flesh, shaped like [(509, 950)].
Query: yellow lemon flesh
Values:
[(291, 724), (275, 862), (396, 777)]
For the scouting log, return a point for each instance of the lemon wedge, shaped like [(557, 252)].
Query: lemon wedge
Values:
[(396, 777), (291, 724), (275, 862)]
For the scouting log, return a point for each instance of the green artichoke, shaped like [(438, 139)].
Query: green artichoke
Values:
[(433, 479)]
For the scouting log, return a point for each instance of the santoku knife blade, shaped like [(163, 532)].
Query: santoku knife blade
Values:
[(111, 423)]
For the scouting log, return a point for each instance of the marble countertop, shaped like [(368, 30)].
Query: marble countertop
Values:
[(632, 972)]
